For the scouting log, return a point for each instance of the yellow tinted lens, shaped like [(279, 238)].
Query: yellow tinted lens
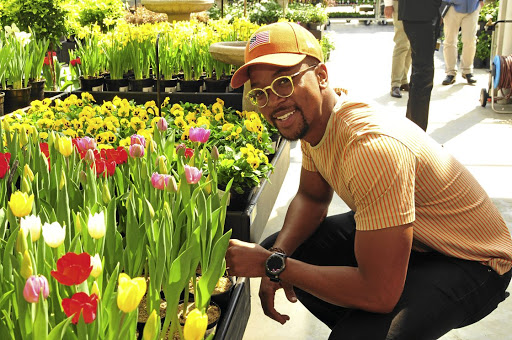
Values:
[(257, 97), (283, 86)]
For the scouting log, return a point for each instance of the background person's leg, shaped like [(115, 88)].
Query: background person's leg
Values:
[(422, 37)]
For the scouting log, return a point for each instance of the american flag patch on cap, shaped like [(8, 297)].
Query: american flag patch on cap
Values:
[(258, 39)]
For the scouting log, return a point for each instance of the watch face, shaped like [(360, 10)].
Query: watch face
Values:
[(275, 263)]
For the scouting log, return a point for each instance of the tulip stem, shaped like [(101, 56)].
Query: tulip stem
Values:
[(120, 333)]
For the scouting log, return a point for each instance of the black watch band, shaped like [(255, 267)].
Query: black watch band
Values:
[(275, 265)]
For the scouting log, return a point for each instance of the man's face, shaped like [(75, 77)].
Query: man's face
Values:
[(289, 115)]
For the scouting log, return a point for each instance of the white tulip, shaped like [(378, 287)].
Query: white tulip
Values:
[(32, 224), (54, 234), (97, 267), (96, 225)]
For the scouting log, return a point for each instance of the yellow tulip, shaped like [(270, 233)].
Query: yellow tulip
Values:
[(130, 292), (27, 172), (26, 266), (21, 203), (95, 289), (65, 146), (151, 329), (195, 326)]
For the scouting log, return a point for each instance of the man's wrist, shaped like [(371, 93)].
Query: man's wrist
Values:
[(278, 250)]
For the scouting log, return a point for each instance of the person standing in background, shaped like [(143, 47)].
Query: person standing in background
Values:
[(463, 15), (401, 52), (421, 20)]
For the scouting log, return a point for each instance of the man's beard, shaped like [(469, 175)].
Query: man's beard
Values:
[(303, 129)]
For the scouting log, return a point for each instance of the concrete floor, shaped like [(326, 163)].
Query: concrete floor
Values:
[(477, 136)]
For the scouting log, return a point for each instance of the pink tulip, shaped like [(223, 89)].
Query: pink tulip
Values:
[(162, 124), (89, 157), (33, 288), (138, 139), (192, 174), (200, 135), (86, 143), (159, 181), (136, 150)]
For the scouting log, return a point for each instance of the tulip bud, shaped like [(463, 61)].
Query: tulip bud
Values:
[(31, 224), (171, 184), (162, 124), (27, 172), (153, 146), (215, 153), (26, 266), (89, 157), (95, 289), (34, 286), (136, 151), (78, 223), (162, 166), (35, 136), (21, 241), (23, 136), (25, 185), (208, 186), (195, 326), (105, 193), (96, 225), (151, 328), (83, 178), (97, 267), (62, 179)]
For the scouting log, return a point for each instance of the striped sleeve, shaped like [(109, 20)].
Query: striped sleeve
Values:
[(307, 161), (380, 173)]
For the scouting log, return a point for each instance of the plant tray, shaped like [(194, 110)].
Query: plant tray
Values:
[(233, 320)]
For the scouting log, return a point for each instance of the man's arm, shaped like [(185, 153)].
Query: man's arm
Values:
[(375, 285), (306, 211)]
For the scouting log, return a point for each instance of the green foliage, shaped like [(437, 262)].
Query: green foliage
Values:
[(327, 44), (483, 46), (266, 12), (45, 18), (95, 12), (489, 12)]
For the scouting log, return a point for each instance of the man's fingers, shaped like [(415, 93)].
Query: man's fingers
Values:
[(267, 296), (289, 292)]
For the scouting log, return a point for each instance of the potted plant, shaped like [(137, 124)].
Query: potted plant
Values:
[(19, 64), (89, 52), (168, 59), (115, 53), (140, 51), (37, 48)]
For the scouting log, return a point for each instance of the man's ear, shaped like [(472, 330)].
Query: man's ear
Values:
[(323, 77)]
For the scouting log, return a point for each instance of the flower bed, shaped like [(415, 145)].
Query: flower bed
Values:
[(132, 211)]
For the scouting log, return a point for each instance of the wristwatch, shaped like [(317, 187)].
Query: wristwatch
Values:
[(275, 265)]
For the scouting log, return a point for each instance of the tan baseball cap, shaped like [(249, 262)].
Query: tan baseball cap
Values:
[(279, 44)]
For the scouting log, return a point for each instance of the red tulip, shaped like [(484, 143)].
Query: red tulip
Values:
[(102, 165), (73, 62), (5, 158), (78, 61), (73, 269), (81, 303), (187, 152), (46, 61)]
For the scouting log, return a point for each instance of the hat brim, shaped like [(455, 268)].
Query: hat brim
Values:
[(277, 59)]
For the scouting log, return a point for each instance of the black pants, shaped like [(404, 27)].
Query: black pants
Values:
[(422, 36), (441, 293)]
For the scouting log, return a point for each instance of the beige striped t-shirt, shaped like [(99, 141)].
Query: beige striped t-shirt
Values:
[(389, 172)]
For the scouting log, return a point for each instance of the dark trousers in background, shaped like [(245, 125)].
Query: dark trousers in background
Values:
[(441, 293), (422, 36)]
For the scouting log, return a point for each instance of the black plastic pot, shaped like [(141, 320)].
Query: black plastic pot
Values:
[(222, 299), (215, 85), (142, 85), (91, 84), (190, 85), (2, 95), (168, 85), (120, 85), (16, 99), (37, 92)]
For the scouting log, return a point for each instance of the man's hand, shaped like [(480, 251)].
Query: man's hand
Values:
[(388, 11), (267, 296), (246, 259)]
